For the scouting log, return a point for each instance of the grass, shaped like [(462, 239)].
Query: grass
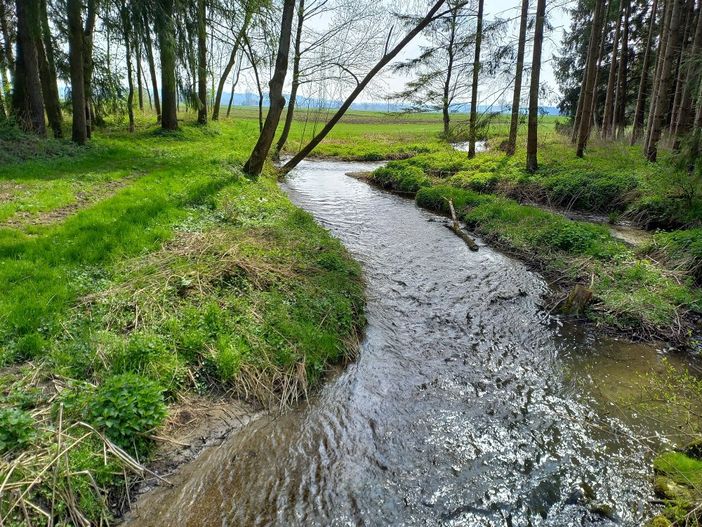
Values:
[(177, 274)]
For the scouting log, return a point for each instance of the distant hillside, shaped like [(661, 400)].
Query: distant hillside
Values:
[(251, 99)]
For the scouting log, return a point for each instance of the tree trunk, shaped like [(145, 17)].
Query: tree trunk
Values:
[(258, 156), (8, 58), (611, 80), (474, 87), (514, 123), (387, 57), (643, 81), (201, 62), (621, 95), (532, 133), (166, 40), (47, 73), (663, 43), (223, 80), (290, 113), (686, 112), (586, 119), (584, 81), (679, 68), (228, 67), (598, 67), (152, 70), (88, 65), (666, 79), (231, 95), (446, 100), (75, 54), (140, 90), (28, 103), (127, 35)]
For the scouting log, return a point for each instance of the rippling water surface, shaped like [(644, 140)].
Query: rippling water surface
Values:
[(462, 408)]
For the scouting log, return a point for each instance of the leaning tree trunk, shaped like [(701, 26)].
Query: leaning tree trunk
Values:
[(47, 72), (228, 68), (666, 79), (28, 103), (514, 123), (201, 62), (387, 57), (643, 81), (254, 165), (611, 80), (619, 120), (75, 54), (532, 137), (290, 113), (588, 97), (152, 70), (474, 88), (231, 95), (166, 40)]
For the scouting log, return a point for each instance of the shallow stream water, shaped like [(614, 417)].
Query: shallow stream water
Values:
[(468, 405)]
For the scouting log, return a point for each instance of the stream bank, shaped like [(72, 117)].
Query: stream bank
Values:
[(469, 404)]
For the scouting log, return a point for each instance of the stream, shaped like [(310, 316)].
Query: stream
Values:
[(468, 404)]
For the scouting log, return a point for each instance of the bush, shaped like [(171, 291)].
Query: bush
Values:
[(126, 408), (680, 248), (594, 191), (396, 176), (16, 429), (477, 181), (435, 198)]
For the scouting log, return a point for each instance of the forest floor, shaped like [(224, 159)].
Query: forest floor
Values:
[(148, 264)]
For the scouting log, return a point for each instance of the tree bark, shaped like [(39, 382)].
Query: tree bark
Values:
[(611, 80), (643, 81), (290, 113), (254, 165), (679, 68), (446, 100), (28, 103), (139, 90), (619, 120), (75, 43), (666, 79), (663, 43), (387, 57), (201, 62), (532, 133), (166, 40), (127, 36), (152, 70), (686, 112), (8, 58), (514, 123), (47, 74), (474, 88), (586, 119), (88, 64)]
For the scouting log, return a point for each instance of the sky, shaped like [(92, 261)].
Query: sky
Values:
[(558, 18)]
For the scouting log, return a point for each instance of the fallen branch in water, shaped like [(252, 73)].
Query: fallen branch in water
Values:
[(458, 231)]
